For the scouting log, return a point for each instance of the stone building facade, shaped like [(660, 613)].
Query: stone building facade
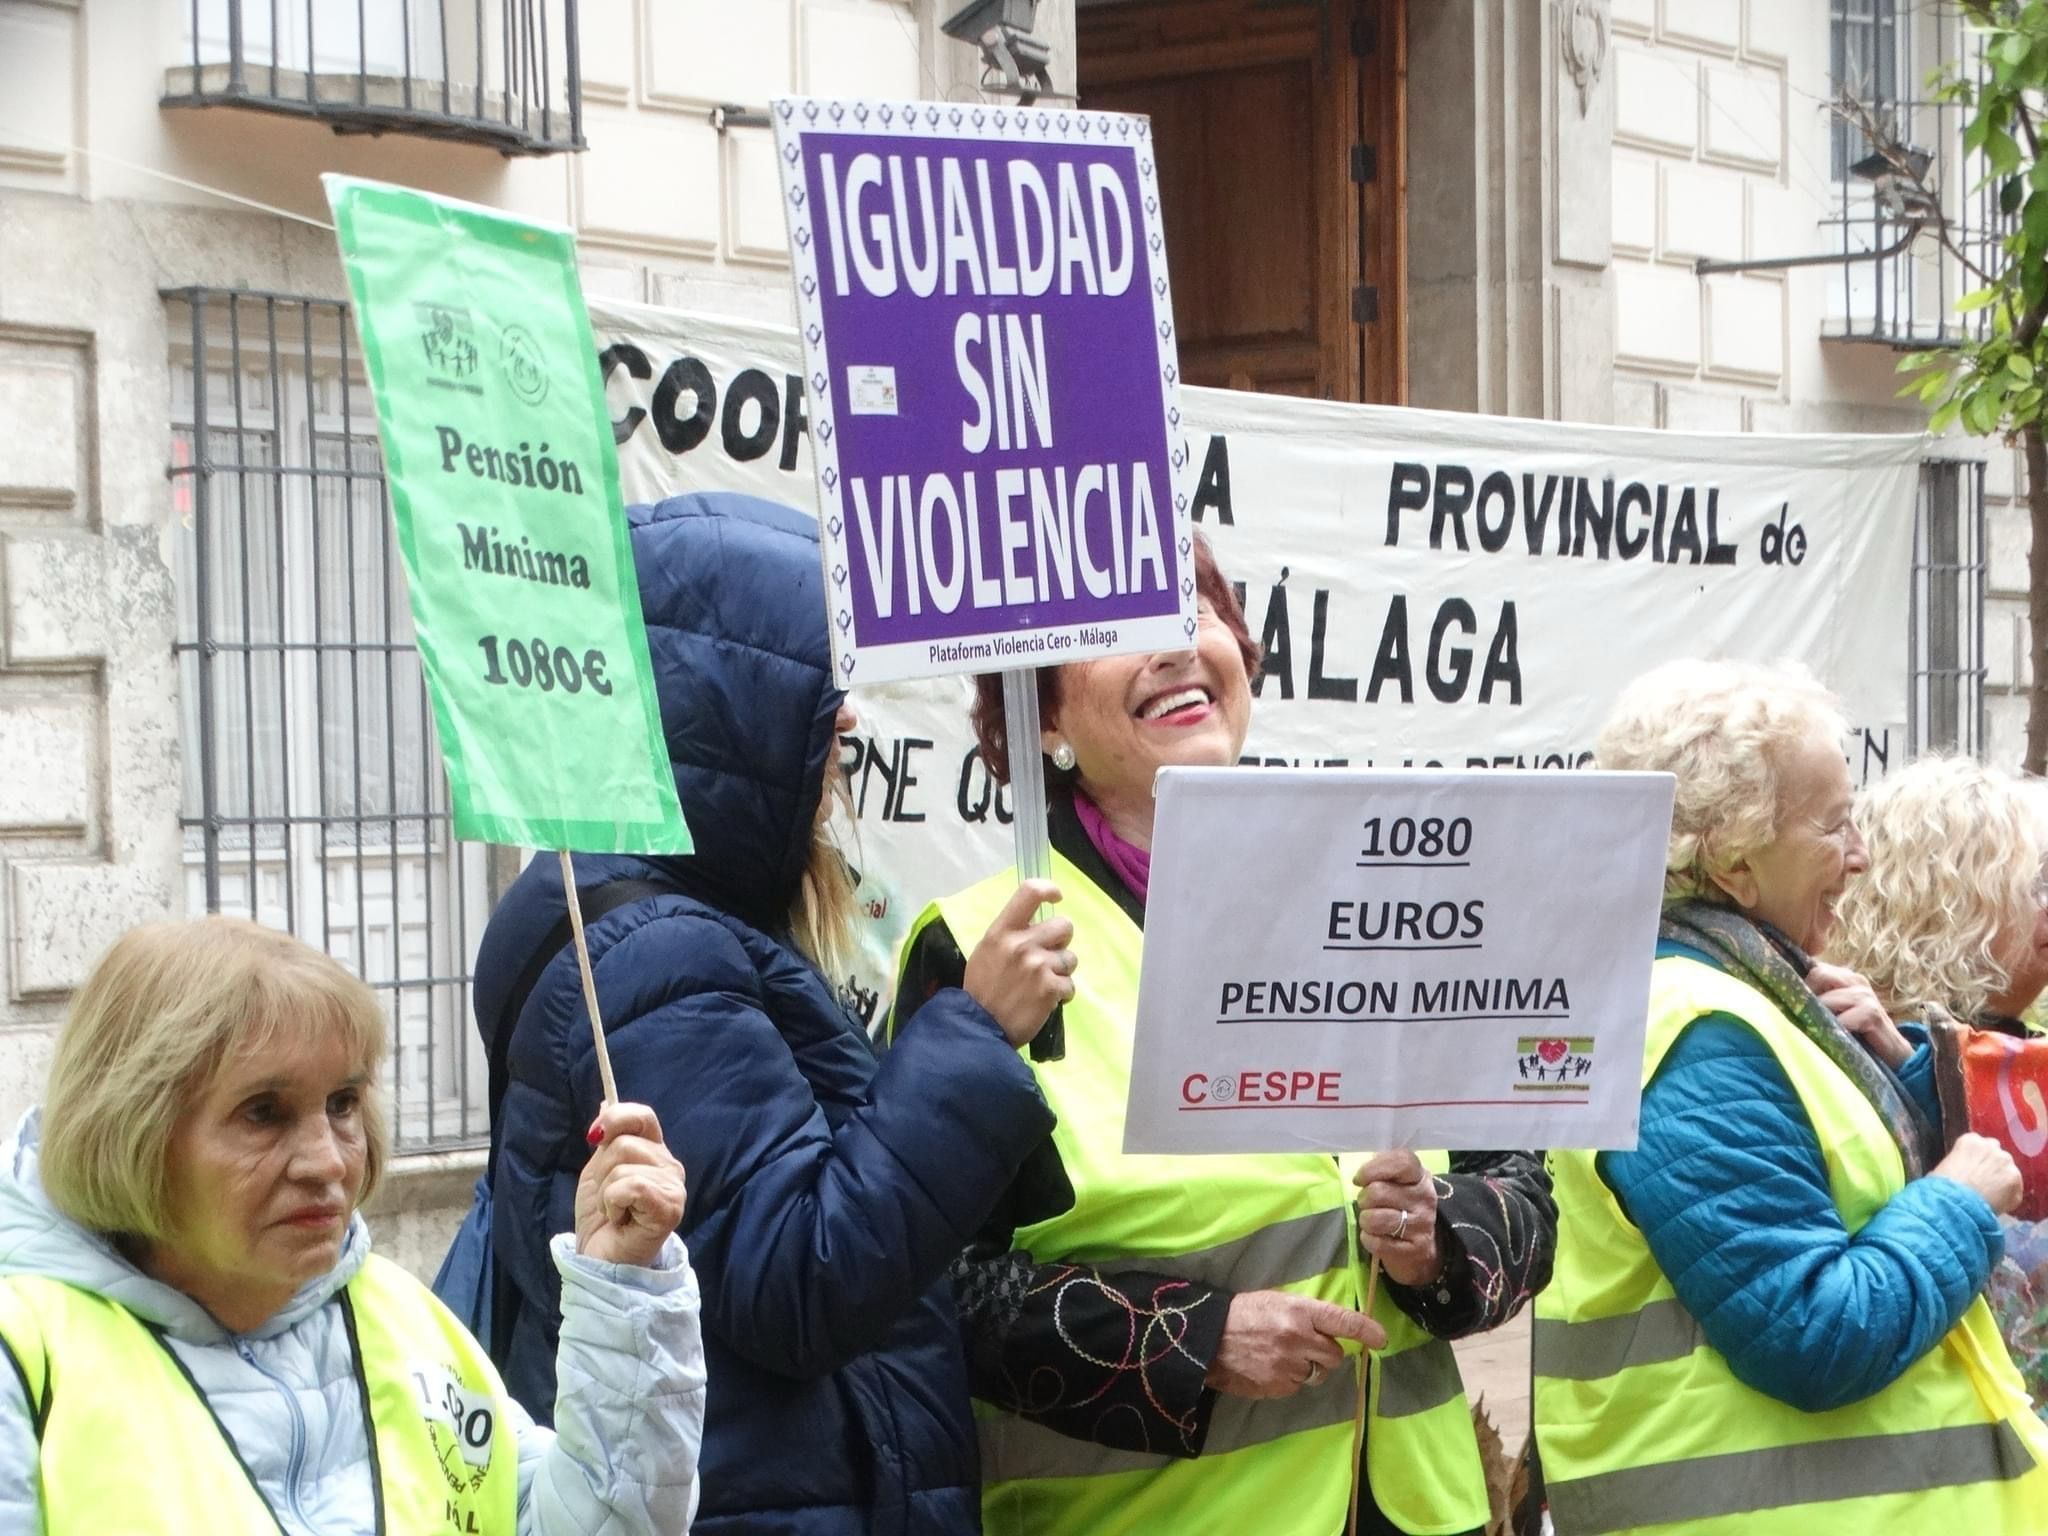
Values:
[(1540, 177)]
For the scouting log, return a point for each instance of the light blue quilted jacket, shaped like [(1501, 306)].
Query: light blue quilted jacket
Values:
[(622, 1460)]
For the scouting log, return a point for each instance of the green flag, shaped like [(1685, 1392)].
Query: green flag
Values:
[(505, 486)]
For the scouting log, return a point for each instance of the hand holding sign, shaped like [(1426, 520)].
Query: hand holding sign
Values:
[(1397, 1217), (1022, 969), (1985, 1168)]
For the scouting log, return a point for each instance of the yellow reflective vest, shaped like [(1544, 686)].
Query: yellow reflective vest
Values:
[(128, 1444), (1642, 1425), (1280, 1467)]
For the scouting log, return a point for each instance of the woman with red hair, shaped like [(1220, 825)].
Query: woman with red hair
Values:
[(1160, 1343)]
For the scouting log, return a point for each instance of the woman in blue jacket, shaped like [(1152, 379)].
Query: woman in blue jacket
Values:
[(829, 1191), (1766, 1319)]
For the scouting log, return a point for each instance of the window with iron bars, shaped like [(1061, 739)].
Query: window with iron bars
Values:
[(1945, 616), (314, 798), (1880, 54), (503, 73)]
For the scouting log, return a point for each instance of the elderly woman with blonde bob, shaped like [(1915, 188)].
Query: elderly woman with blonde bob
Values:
[(198, 1337), (1766, 1318), (1953, 917)]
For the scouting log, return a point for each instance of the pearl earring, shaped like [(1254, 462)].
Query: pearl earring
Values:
[(1063, 758)]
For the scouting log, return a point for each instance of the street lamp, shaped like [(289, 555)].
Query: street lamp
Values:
[(1898, 182)]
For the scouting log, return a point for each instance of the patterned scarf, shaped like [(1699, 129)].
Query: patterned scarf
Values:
[(1763, 957)]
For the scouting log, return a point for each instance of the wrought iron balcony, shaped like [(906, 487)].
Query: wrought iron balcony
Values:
[(501, 73), (1925, 205)]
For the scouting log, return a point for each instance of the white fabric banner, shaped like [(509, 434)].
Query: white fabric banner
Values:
[(1432, 588)]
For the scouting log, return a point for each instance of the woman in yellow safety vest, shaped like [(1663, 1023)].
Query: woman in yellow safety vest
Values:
[(1953, 918), (1159, 1344), (197, 1338), (1766, 1320)]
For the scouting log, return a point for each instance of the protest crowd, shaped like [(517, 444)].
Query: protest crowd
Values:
[(917, 1286), (751, 1256)]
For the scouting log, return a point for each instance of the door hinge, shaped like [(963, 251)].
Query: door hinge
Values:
[(1365, 304), (1365, 164)]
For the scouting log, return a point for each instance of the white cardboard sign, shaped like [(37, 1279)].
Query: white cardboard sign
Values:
[(1344, 961)]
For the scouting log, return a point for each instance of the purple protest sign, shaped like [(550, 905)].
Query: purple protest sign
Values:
[(992, 380)]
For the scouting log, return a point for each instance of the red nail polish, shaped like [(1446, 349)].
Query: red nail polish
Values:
[(595, 1134)]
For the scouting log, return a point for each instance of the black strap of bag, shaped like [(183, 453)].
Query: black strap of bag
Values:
[(594, 901)]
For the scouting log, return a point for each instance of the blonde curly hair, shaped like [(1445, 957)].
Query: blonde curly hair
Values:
[(1723, 729), (1956, 851)]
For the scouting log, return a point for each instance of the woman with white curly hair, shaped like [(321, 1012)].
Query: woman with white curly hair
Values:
[(1953, 913), (1767, 1317), (1953, 917)]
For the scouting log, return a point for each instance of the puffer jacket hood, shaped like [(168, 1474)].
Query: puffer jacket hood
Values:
[(38, 1239), (733, 597)]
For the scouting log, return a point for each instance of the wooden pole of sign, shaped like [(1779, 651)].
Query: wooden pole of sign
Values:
[(1372, 1285), (604, 1056)]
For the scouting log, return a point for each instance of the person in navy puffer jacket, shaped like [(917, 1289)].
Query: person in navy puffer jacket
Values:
[(829, 1191)]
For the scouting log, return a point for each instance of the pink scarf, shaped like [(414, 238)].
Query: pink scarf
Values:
[(1133, 865)]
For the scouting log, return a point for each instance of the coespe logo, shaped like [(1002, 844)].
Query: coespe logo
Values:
[(1263, 1086)]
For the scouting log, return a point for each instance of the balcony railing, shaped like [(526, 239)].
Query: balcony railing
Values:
[(501, 73), (1907, 299)]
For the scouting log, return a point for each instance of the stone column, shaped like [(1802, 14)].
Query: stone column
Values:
[(1510, 133)]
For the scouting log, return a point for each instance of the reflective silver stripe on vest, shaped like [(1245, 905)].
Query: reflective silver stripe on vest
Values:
[(1744, 1482), (1014, 1448), (1299, 1248), (1606, 1346), (1417, 1380)]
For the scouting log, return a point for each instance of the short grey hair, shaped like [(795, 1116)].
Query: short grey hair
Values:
[(1723, 729)]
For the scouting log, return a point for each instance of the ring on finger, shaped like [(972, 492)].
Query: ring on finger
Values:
[(1316, 1372), (1401, 1227)]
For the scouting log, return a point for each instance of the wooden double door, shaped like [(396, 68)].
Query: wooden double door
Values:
[(1277, 132)]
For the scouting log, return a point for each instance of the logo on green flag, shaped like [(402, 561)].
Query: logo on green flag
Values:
[(505, 489)]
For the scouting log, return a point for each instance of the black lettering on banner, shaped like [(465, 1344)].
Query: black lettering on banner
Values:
[(1343, 689), (866, 760), (1634, 496), (979, 793), (1724, 554), (1407, 491), (1779, 544), (796, 423), (1498, 487), (1449, 686), (1503, 658), (679, 434), (1390, 663), (1277, 643), (634, 361), (1453, 500), (1600, 519), (1685, 529), (1214, 491), (751, 387), (1535, 513), (907, 748)]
